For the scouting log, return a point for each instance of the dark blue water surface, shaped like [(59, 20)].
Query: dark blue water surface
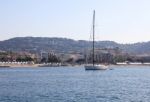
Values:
[(74, 84)]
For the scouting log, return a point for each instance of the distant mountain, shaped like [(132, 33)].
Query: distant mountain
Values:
[(137, 48), (38, 44)]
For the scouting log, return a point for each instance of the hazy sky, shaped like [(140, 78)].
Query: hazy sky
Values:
[(123, 21)]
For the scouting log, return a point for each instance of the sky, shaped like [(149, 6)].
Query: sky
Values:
[(122, 21)]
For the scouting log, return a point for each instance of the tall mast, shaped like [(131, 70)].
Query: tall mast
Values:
[(93, 34)]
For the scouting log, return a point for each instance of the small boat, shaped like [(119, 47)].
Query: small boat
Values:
[(94, 66)]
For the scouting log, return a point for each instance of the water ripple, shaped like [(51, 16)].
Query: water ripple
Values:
[(74, 85)]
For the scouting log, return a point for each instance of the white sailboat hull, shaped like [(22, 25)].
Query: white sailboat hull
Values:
[(96, 67)]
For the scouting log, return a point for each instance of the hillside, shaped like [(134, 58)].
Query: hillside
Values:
[(38, 44)]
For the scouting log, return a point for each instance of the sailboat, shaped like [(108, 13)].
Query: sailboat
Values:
[(94, 66)]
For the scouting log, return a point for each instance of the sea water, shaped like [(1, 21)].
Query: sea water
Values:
[(74, 84)]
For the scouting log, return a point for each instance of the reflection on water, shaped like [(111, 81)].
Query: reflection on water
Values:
[(74, 85)]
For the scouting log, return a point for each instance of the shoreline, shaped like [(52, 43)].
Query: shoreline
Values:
[(45, 65)]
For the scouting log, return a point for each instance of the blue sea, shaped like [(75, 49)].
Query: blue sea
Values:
[(74, 84)]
